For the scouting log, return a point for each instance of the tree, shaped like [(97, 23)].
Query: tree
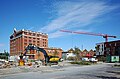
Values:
[(4, 55), (77, 52)]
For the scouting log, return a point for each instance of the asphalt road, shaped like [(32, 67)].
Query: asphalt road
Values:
[(100, 71)]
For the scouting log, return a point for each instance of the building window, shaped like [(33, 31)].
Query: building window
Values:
[(34, 34), (25, 33), (38, 35), (109, 44), (105, 45), (38, 41), (102, 48), (30, 33), (34, 38), (34, 41), (30, 40), (25, 40), (25, 44), (29, 37), (34, 44)]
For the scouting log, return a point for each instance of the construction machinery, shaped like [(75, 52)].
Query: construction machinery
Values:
[(54, 59), (90, 33), (48, 59)]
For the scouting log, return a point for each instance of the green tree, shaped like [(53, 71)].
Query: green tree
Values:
[(4, 55), (77, 52)]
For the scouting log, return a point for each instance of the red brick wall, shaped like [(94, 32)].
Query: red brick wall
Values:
[(18, 44), (21, 39)]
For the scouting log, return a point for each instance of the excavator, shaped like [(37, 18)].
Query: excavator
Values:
[(48, 59)]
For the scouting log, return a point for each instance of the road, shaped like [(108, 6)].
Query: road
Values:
[(99, 71)]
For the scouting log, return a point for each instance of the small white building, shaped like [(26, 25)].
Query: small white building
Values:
[(70, 55)]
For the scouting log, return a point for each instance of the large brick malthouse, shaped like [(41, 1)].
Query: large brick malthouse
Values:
[(22, 38)]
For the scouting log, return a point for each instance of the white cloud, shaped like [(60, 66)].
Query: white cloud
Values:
[(73, 15), (59, 33), (55, 34)]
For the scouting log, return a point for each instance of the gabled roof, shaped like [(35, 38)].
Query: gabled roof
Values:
[(70, 50), (85, 51)]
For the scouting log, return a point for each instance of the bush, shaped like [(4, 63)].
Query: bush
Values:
[(101, 58), (32, 60), (71, 58)]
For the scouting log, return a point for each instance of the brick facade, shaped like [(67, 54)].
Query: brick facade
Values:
[(19, 40), (112, 48)]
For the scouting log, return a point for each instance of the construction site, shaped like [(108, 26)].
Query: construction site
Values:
[(59, 39), (28, 48), (29, 52)]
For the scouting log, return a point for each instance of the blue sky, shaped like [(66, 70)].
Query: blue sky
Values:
[(50, 16)]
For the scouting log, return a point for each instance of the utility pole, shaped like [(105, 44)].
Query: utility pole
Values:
[(82, 47)]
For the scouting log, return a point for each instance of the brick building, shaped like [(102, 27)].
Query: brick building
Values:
[(112, 48), (86, 53), (19, 40), (82, 54), (109, 51)]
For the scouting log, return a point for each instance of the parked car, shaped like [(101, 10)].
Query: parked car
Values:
[(93, 60), (85, 59)]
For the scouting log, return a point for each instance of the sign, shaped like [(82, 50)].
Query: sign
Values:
[(114, 58)]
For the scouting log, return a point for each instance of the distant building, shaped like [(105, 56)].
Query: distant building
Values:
[(70, 55), (108, 48), (86, 53), (64, 55), (20, 39), (53, 51), (83, 53)]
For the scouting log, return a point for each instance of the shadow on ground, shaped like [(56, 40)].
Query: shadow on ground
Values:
[(106, 77)]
